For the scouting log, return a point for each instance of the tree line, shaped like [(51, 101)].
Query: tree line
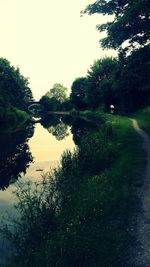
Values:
[(122, 81)]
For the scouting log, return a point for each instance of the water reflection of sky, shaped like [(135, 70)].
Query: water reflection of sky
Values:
[(45, 147), (46, 151)]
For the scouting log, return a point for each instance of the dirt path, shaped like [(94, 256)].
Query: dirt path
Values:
[(141, 254)]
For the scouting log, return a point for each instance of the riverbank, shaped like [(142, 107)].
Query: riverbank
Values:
[(80, 216), (12, 119)]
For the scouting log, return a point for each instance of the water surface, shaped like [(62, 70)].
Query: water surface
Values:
[(28, 158), (29, 152)]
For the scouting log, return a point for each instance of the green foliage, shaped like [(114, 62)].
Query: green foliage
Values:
[(14, 88), (55, 99), (79, 216), (37, 225), (79, 93), (131, 22), (50, 104), (123, 82), (67, 105), (14, 96), (128, 31), (12, 118), (100, 83), (97, 88), (58, 92), (132, 81)]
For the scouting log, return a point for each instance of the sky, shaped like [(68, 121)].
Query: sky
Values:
[(49, 40)]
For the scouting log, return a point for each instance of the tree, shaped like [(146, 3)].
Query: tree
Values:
[(55, 99), (78, 93), (133, 82), (131, 25), (13, 86), (100, 82), (50, 104), (58, 92), (129, 32)]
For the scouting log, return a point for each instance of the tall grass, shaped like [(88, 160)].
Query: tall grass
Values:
[(80, 215)]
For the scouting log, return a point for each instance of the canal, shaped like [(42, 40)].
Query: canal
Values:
[(29, 152), (26, 154)]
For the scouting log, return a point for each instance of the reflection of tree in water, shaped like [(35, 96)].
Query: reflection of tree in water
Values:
[(55, 126), (15, 155), (79, 127), (58, 126), (59, 131)]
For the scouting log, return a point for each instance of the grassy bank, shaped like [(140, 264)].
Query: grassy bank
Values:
[(12, 119), (98, 117), (143, 118), (80, 215)]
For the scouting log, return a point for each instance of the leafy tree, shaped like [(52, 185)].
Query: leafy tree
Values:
[(78, 93), (55, 99), (133, 80), (67, 105), (130, 26), (58, 92), (100, 82), (14, 87), (128, 32), (3, 107), (50, 104)]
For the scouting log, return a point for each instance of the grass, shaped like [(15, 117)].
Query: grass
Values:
[(80, 215), (22, 116), (143, 118)]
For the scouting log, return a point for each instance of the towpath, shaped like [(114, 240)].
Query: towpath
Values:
[(141, 248)]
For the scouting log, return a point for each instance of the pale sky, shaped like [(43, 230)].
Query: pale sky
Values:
[(49, 41)]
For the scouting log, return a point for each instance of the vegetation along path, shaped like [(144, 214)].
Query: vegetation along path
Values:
[(142, 249)]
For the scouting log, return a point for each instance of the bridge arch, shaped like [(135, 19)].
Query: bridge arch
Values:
[(35, 109)]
